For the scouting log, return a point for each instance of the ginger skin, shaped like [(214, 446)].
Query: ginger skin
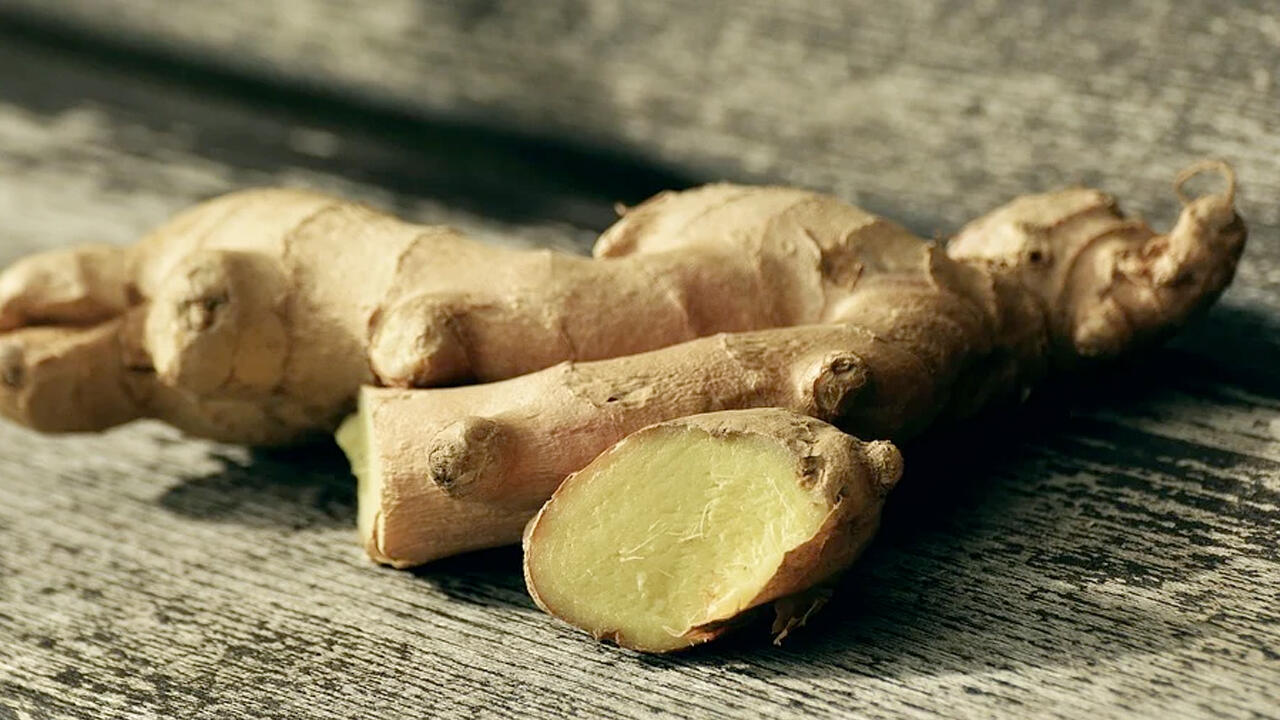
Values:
[(256, 317), (916, 335)]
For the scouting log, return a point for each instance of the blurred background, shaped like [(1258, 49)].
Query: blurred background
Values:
[(926, 110), (1112, 555)]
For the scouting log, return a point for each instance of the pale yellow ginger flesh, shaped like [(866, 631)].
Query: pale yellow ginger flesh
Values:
[(703, 527), (353, 438), (684, 526)]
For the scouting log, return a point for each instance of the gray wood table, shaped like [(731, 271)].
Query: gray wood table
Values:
[(1109, 552)]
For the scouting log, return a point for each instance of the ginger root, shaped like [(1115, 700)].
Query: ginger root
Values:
[(670, 537), (256, 317), (449, 470), (914, 335)]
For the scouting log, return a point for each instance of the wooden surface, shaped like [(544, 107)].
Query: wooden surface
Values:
[(1110, 553)]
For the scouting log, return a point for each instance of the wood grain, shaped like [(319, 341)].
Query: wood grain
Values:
[(1111, 552), (895, 105)]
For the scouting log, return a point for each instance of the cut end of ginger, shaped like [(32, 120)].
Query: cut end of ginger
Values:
[(665, 539), (353, 437)]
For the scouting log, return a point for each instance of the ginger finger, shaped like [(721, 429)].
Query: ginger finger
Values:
[(449, 470), (56, 379), (216, 326), (81, 286)]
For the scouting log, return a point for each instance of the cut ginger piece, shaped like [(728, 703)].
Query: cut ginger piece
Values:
[(682, 528)]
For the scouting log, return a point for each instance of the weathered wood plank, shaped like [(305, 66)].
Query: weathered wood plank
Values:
[(1111, 553), (925, 110), (291, 137)]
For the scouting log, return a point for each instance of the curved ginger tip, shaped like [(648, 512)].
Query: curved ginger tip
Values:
[(1106, 282), (1131, 293)]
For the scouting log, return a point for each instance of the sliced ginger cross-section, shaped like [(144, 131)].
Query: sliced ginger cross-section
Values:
[(684, 526)]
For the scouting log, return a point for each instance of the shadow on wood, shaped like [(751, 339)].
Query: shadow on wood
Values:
[(265, 124), (292, 488), (485, 578)]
